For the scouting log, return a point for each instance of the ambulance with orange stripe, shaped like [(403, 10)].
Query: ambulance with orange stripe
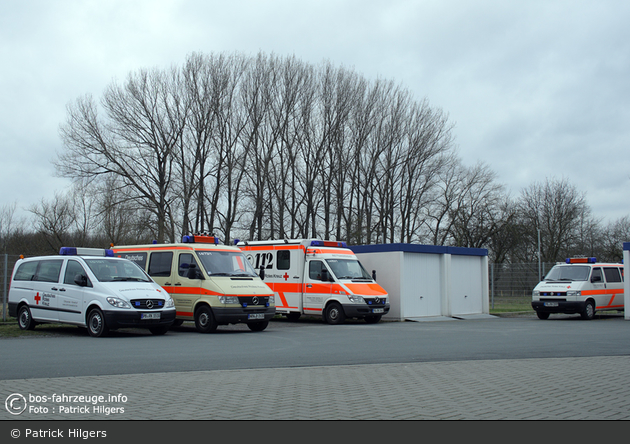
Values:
[(316, 277), (581, 285), (210, 284)]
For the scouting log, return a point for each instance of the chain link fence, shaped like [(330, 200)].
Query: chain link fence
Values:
[(511, 285), (7, 261)]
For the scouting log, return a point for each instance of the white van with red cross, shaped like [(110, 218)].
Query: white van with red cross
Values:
[(581, 285), (317, 277), (90, 288)]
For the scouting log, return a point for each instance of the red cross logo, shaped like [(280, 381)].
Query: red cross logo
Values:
[(37, 299), (286, 276)]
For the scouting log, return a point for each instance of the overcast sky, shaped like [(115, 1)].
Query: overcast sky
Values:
[(536, 89)]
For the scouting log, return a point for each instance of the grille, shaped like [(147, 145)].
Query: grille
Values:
[(248, 301), (372, 302), (143, 304), (553, 293)]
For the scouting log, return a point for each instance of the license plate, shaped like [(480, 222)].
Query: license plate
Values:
[(256, 316), (551, 304), (150, 316), (378, 310)]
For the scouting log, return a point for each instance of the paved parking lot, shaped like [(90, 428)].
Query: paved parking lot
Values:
[(521, 389)]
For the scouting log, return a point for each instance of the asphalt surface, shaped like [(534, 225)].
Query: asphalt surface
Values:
[(591, 385)]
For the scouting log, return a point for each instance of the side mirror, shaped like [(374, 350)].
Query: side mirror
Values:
[(262, 272), (192, 272), (80, 280), (373, 275), (596, 279)]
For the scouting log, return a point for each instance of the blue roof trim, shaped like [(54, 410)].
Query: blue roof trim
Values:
[(416, 248), (626, 245)]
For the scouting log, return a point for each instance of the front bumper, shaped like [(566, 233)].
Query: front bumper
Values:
[(238, 315), (568, 307), (363, 310), (132, 318)]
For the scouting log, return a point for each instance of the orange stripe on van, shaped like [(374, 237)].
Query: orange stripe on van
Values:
[(366, 289)]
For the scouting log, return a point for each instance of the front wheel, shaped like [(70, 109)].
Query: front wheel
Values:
[(96, 323), (334, 314), (204, 320), (25, 319), (258, 326), (589, 311), (542, 315)]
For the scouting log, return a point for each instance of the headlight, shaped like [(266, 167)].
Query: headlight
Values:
[(169, 303), (535, 293), (574, 293), (228, 299), (356, 299), (272, 300), (118, 303)]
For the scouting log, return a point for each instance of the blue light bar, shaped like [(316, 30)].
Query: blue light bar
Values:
[(78, 251), (321, 243)]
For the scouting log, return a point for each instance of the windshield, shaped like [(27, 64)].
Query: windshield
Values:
[(348, 269), (226, 263), (568, 273), (116, 270)]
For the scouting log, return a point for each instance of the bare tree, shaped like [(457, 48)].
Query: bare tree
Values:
[(143, 127), (555, 208)]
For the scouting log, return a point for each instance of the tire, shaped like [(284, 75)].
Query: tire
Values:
[(589, 311), (334, 314), (159, 331), (177, 323), (25, 319), (204, 320), (293, 316), (373, 319), (96, 325), (542, 315), (258, 326)]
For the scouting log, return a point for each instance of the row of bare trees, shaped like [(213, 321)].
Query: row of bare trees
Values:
[(270, 147)]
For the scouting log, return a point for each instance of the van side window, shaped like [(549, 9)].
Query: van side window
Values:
[(26, 271), (160, 264), (283, 260), (138, 258), (185, 260), (48, 271), (596, 275), (612, 274), (315, 270), (72, 269)]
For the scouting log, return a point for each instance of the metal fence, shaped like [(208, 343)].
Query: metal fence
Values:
[(6, 268), (515, 282)]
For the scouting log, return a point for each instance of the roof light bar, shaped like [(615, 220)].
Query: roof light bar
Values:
[(201, 239), (80, 251), (320, 243), (581, 260)]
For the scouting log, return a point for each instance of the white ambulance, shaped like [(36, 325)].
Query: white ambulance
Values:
[(90, 288), (316, 277), (581, 285), (211, 284)]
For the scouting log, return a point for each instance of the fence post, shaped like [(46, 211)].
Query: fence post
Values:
[(492, 283), (4, 293)]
